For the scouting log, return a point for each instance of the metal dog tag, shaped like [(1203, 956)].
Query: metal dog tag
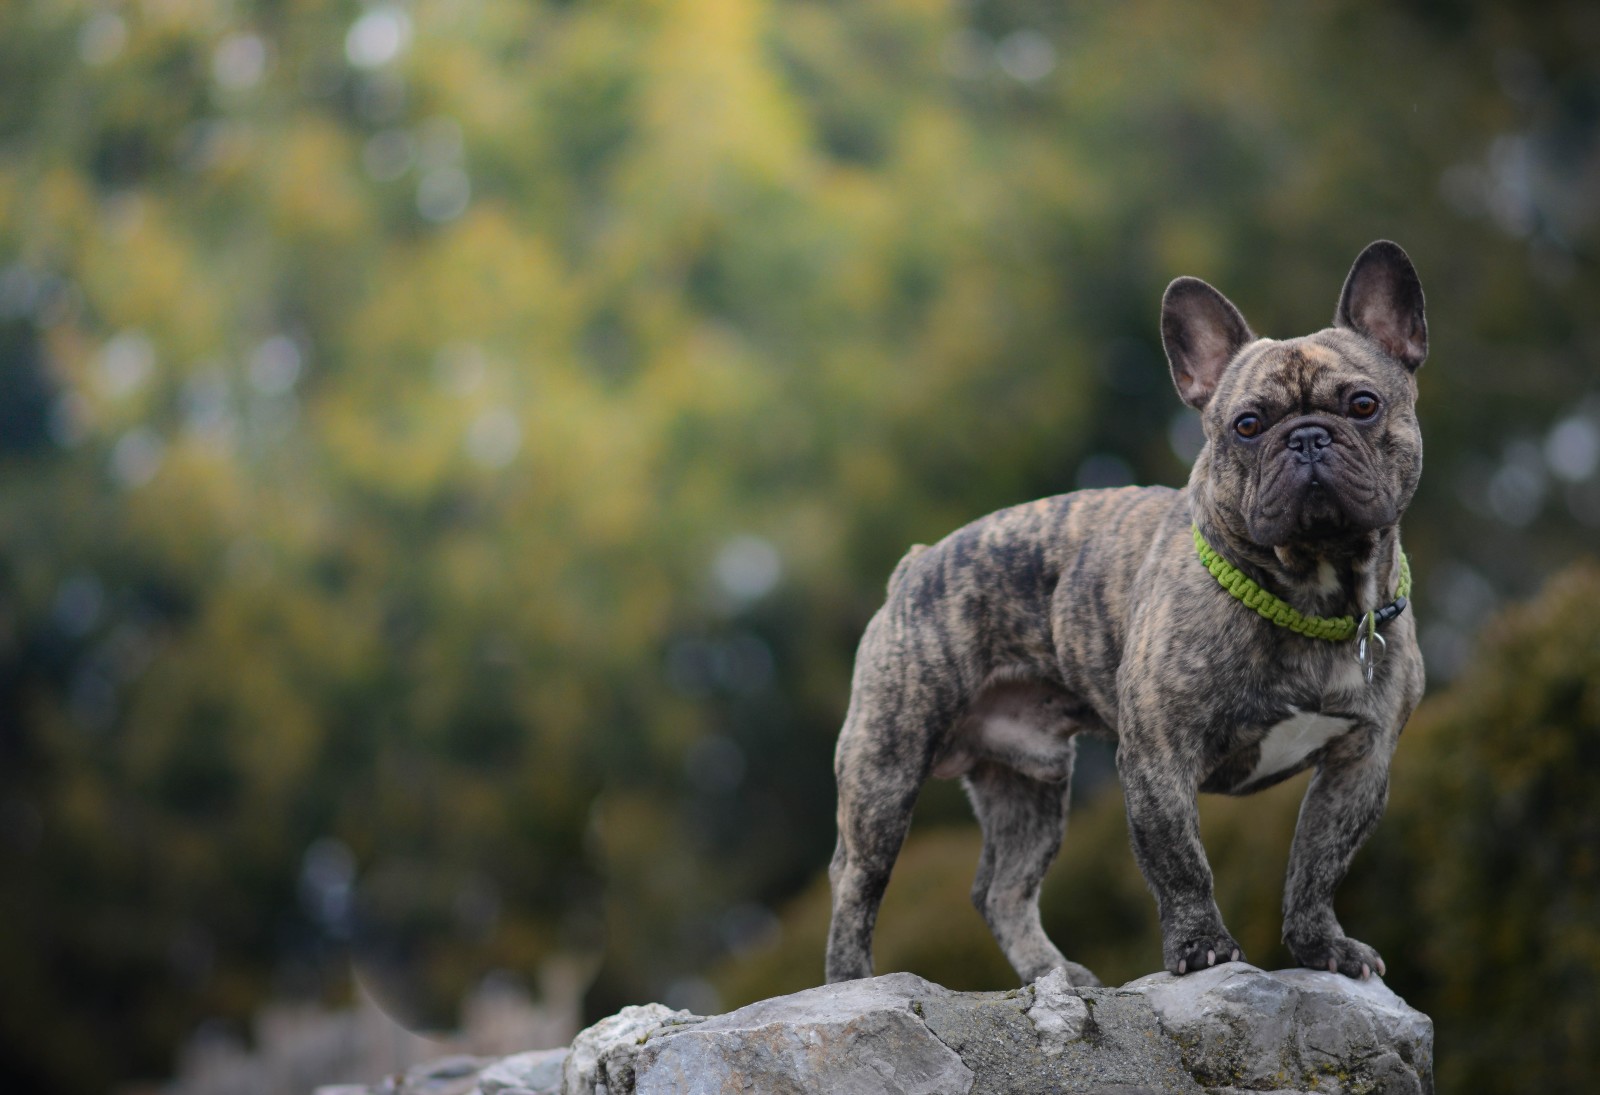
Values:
[(1370, 648)]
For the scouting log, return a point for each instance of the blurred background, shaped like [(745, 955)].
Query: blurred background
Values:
[(449, 451)]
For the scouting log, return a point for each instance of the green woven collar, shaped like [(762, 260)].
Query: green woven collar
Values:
[(1334, 629)]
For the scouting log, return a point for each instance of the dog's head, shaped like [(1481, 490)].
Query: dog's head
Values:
[(1310, 440)]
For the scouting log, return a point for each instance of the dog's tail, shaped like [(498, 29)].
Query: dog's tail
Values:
[(900, 568)]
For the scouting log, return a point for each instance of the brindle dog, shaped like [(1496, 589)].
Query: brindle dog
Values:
[(1091, 612)]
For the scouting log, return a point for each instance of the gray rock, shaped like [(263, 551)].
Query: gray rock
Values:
[(535, 1073), (1230, 1030), (1240, 1026), (1058, 1013), (454, 1075), (1120, 1048), (444, 1076), (601, 1060), (856, 1038), (1232, 1023)]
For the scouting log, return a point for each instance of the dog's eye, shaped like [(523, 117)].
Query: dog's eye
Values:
[(1247, 425), (1363, 405)]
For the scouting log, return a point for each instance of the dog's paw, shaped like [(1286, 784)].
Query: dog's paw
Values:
[(1202, 952), (1339, 954)]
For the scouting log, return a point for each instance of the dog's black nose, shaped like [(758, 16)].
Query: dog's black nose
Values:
[(1308, 441)]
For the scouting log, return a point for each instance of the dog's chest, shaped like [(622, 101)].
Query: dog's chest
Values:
[(1287, 744), (1303, 728)]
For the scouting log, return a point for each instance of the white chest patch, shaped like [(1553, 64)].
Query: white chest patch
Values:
[(1293, 740)]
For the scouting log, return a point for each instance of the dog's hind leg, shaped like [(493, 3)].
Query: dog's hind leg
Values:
[(885, 753), (1023, 821), (877, 791)]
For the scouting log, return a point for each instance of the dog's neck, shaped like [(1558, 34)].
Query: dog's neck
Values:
[(1347, 576)]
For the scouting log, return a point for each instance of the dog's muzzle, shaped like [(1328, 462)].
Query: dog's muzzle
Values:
[(1315, 483)]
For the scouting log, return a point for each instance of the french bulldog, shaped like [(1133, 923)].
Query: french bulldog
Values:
[(1226, 636)]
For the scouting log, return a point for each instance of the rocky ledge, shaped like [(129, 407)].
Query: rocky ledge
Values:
[(1225, 1031)]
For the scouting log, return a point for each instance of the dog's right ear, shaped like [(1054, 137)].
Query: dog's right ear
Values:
[(1201, 331)]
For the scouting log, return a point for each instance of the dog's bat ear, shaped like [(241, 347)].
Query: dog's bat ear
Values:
[(1201, 331), (1382, 299)]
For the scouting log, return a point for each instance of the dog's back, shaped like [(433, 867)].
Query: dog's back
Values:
[(1036, 590)]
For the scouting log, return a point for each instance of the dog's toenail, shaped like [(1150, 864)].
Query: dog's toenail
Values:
[(1381, 970), (1211, 958), (1366, 971), (1235, 957), (1333, 967), (1183, 966)]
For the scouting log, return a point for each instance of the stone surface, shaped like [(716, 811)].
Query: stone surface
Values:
[(1120, 1047), (454, 1075), (535, 1073), (856, 1038), (1240, 1026), (601, 1061), (1058, 1014), (1228, 1030)]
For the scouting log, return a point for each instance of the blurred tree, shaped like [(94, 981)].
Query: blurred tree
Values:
[(448, 451), (1496, 849)]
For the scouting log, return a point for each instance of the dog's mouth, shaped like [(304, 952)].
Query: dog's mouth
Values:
[(1330, 498)]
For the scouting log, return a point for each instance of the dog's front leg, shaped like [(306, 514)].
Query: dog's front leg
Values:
[(1164, 822), (1342, 806)]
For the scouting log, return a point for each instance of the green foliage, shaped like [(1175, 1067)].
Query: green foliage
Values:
[(1480, 887), (448, 451), (1502, 836)]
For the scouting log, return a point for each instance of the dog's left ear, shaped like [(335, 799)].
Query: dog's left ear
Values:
[(1382, 299)]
